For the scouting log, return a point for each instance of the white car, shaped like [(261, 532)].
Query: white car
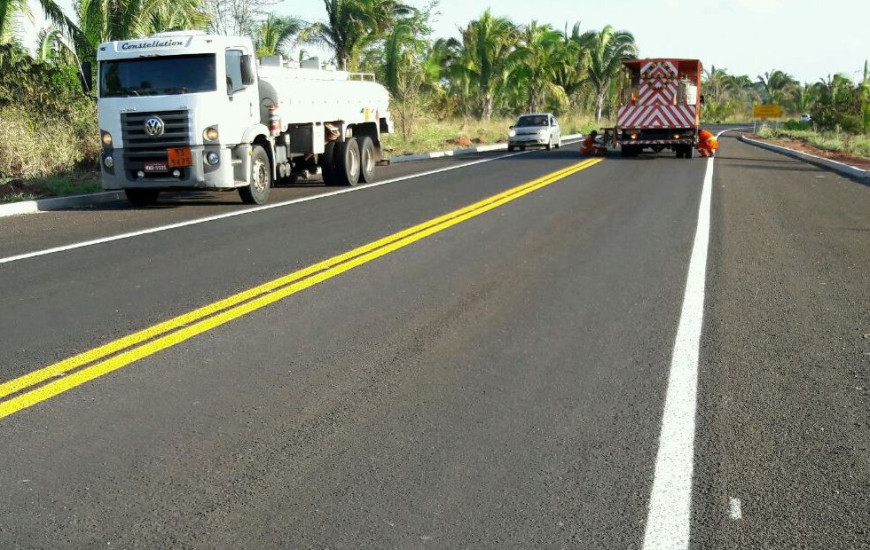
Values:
[(535, 130), (806, 117)]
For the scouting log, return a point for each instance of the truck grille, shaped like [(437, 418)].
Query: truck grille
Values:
[(140, 147)]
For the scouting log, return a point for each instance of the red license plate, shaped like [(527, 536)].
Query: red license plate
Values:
[(179, 157), (156, 167)]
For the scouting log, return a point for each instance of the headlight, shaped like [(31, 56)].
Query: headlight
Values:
[(108, 162), (512, 133), (633, 136), (210, 134), (676, 136), (106, 138), (212, 158)]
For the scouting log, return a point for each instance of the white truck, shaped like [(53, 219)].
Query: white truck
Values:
[(186, 110)]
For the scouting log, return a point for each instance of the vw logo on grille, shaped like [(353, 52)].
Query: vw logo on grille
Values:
[(154, 126)]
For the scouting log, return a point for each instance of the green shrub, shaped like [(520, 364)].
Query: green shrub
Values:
[(47, 124)]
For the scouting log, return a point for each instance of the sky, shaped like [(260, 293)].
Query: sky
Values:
[(808, 39)]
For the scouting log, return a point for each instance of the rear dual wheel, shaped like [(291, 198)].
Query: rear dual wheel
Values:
[(349, 162)]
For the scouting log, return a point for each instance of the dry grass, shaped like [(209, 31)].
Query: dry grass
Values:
[(837, 142)]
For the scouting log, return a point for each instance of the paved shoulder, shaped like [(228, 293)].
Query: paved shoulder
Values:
[(784, 435)]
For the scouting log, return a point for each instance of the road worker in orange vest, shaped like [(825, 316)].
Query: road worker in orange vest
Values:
[(707, 143), (591, 146)]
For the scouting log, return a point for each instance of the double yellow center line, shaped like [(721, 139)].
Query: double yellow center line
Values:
[(30, 389)]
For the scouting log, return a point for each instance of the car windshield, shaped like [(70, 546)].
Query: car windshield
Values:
[(526, 121), (180, 74)]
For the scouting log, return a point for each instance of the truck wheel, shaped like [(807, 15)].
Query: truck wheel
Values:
[(261, 178), (347, 162), (142, 197), (367, 161), (689, 153), (680, 151), (510, 148)]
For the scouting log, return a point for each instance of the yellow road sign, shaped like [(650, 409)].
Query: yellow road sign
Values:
[(767, 111)]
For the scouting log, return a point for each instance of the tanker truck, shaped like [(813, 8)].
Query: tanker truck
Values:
[(187, 110)]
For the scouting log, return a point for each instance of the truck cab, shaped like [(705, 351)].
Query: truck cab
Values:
[(187, 110)]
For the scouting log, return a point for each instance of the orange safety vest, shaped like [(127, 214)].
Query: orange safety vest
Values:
[(706, 140), (588, 145)]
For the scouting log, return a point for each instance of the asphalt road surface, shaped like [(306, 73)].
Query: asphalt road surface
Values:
[(521, 351)]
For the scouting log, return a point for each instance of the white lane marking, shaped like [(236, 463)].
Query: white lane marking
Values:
[(670, 506), (736, 509), (254, 210)]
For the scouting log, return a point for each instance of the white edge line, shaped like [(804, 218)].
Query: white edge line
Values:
[(257, 209), (668, 523), (736, 510)]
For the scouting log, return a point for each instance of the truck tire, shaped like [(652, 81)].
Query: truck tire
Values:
[(689, 153), (347, 162), (327, 164), (142, 197), (680, 150), (367, 160), (261, 178)]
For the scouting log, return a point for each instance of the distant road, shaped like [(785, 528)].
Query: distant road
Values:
[(471, 358)]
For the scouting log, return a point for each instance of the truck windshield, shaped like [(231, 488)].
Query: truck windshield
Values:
[(179, 74)]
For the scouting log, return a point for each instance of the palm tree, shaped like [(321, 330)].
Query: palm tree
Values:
[(536, 63), (353, 24), (10, 9), (573, 65), (715, 83), (486, 61), (778, 87), (104, 20), (274, 35), (607, 48)]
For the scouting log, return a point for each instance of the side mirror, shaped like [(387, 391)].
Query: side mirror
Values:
[(86, 76), (247, 71)]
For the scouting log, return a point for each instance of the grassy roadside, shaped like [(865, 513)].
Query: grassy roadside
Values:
[(78, 182), (435, 135), (833, 142)]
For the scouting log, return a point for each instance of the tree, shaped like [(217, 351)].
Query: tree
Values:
[(274, 35), (236, 17), (865, 100), (104, 20), (779, 87), (10, 9), (353, 24), (536, 63), (572, 66), (607, 48), (485, 62)]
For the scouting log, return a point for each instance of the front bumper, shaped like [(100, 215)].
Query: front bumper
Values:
[(200, 175), (528, 140)]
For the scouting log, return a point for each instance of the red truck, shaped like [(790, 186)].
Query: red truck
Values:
[(660, 106)]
